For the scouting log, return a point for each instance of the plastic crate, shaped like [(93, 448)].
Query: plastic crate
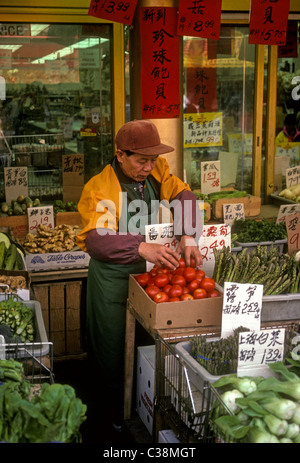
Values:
[(250, 246), (40, 346), (178, 399)]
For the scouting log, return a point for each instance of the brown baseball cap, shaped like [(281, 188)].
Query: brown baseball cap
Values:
[(142, 137)]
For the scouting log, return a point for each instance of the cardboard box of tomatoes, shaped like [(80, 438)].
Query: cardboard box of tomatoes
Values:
[(180, 301)]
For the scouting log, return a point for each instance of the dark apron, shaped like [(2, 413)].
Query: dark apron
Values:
[(107, 292)]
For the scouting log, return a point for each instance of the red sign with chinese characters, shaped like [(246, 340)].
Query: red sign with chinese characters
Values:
[(268, 22), (160, 92), (117, 11), (201, 18), (290, 49)]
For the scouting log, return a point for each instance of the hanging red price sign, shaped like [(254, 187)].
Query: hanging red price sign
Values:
[(200, 18), (160, 92), (268, 22), (116, 11)]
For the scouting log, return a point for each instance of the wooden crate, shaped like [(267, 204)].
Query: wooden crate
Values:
[(252, 205), (61, 303), (68, 218)]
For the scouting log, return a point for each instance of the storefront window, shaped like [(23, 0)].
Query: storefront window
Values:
[(57, 101), (219, 93), (287, 145)]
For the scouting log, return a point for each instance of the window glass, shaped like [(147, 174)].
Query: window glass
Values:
[(219, 92), (287, 143), (57, 101)]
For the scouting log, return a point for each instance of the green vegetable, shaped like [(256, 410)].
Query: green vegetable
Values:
[(293, 430), (257, 435), (244, 384), (276, 426), (289, 388), (11, 257), (254, 231), (281, 408), (5, 239), (229, 399)]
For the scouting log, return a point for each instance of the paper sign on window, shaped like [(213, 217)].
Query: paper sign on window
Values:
[(242, 305), (73, 176), (160, 92), (116, 11), (161, 234), (203, 129), (15, 182), (199, 19), (257, 349), (42, 215), (268, 22)]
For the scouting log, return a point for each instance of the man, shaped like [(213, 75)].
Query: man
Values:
[(289, 133), (113, 234)]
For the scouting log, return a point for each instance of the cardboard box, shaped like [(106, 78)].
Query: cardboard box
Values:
[(252, 205), (18, 224), (194, 313), (145, 385), (56, 261), (22, 294), (68, 218)]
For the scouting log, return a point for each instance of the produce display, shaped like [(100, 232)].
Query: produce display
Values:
[(11, 256), (292, 193), (16, 321), (278, 273), (183, 284), (254, 231), (220, 356), (69, 206), (211, 197), (253, 409), (58, 239), (18, 206), (54, 414)]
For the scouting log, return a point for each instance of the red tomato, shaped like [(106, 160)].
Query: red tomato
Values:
[(181, 262), (174, 299), (161, 297), (189, 273), (153, 272), (200, 274), (170, 275), (213, 293), (161, 270), (161, 280), (151, 281), (175, 291), (179, 271), (199, 293), (185, 290), (167, 288), (193, 262), (194, 284), (186, 297), (143, 279), (208, 284), (178, 280), (152, 290)]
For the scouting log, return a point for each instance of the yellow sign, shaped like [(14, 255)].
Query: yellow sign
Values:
[(203, 129)]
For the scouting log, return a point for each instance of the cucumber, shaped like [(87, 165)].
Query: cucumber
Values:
[(3, 252), (11, 257), (5, 239)]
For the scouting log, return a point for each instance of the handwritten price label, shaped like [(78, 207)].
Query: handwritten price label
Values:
[(293, 230), (42, 215), (213, 237), (199, 19), (116, 11)]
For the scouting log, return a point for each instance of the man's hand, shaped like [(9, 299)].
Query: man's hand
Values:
[(159, 255), (188, 248)]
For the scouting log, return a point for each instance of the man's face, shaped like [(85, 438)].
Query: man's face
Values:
[(136, 166)]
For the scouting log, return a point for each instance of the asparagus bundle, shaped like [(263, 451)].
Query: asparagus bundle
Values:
[(278, 273)]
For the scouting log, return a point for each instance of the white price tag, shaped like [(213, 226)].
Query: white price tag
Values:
[(160, 234), (213, 236), (210, 176), (242, 305), (42, 215), (232, 212), (259, 348), (15, 182)]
